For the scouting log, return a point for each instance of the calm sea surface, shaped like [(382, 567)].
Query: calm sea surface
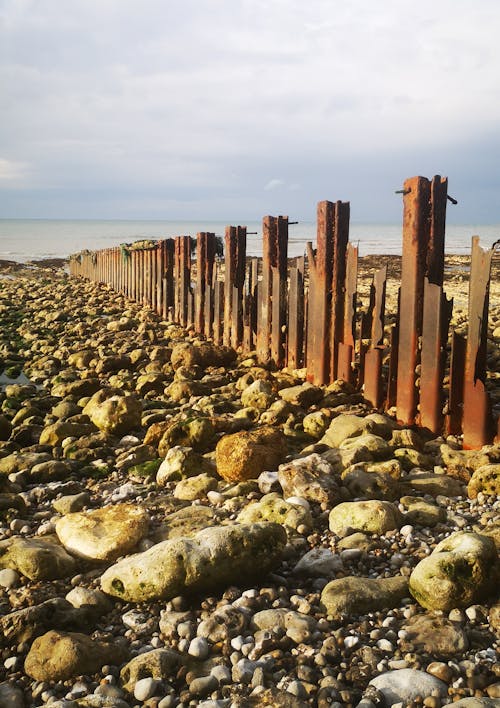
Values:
[(26, 239)]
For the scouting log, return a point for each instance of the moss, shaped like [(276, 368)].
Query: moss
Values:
[(118, 586)]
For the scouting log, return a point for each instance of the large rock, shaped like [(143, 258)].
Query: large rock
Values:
[(272, 507), (204, 355), (179, 463), (36, 558), (421, 512), (485, 479), (298, 627), (356, 596), (309, 477), (195, 432), (433, 484), (55, 433), (260, 395), (17, 461), (30, 622), (77, 389), (303, 395), (159, 664), (116, 415), (433, 635), (244, 455), (404, 685), (185, 522), (214, 558), (372, 516), (57, 656), (460, 571), (103, 534), (347, 425)]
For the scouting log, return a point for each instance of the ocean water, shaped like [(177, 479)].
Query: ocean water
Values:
[(26, 239)]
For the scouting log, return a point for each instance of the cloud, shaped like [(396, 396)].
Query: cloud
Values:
[(12, 171), (206, 98)]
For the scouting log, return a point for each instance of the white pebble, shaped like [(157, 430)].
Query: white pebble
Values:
[(406, 530), (350, 642), (9, 578), (215, 497), (145, 688), (199, 648), (385, 645)]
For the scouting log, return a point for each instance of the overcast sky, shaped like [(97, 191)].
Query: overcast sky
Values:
[(231, 109)]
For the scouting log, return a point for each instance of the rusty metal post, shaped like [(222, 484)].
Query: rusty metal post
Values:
[(456, 385), (373, 384), (201, 266), (416, 215), (238, 267), (295, 347), (319, 297), (279, 269), (218, 311), (340, 242), (230, 258), (477, 421), (269, 242)]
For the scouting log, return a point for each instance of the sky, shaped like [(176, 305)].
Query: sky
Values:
[(232, 109)]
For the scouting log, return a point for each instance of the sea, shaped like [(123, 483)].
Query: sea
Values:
[(23, 240)]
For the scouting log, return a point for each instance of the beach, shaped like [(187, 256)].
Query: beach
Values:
[(180, 526)]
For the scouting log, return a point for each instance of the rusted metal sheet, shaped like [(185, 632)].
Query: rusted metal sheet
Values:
[(279, 269), (345, 359), (264, 314), (435, 252), (456, 384), (477, 421), (373, 384), (296, 315), (218, 311), (239, 265), (416, 214), (377, 297), (340, 239), (436, 317), (351, 284), (392, 377)]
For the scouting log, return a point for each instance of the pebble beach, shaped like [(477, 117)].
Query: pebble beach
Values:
[(180, 526)]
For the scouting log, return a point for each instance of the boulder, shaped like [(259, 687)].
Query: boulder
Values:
[(404, 685), (459, 572), (353, 595), (105, 533), (304, 395), (211, 560), (195, 487), (55, 433), (272, 507), (30, 622), (421, 512), (298, 627), (58, 656), (345, 426), (181, 462), (433, 484), (117, 415), (370, 485), (259, 394), (185, 522), (18, 461), (310, 477), (372, 516), (37, 558), (159, 664), (433, 635), (245, 454), (485, 479), (195, 432), (319, 562)]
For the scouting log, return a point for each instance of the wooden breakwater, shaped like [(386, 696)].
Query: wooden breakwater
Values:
[(302, 312)]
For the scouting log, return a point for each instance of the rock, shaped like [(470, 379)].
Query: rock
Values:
[(365, 447), (103, 534), (179, 463), (159, 664), (462, 463), (185, 522), (224, 623), (50, 471), (319, 562), (353, 595), (117, 415), (432, 484), (309, 477), (212, 559), (89, 598), (436, 636), (459, 572), (203, 355), (370, 485), (476, 703), (9, 578), (304, 395), (298, 627), (244, 455), (272, 507), (422, 513), (485, 479), (403, 685), (54, 434), (36, 558), (259, 394), (195, 487), (5, 428), (77, 389), (30, 622), (58, 656), (411, 459), (196, 432), (11, 696), (371, 516), (316, 423), (18, 461), (343, 427), (71, 503)]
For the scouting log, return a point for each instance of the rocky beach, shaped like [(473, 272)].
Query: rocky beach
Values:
[(180, 526)]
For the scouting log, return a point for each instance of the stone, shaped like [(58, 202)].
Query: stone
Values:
[(26, 624), (462, 463), (421, 512), (20, 461), (116, 415), (346, 426), (316, 423), (195, 487), (245, 454), (404, 685), (298, 627), (411, 459), (372, 516), (90, 598), (433, 484), (303, 395), (179, 463), (36, 558), (214, 558), (354, 595), (9, 578), (259, 394), (370, 485), (105, 533), (319, 562), (185, 522), (55, 433), (224, 623), (58, 656), (5, 427), (459, 572), (195, 432), (309, 477), (485, 479), (434, 635), (50, 471), (477, 703), (71, 503), (203, 355), (80, 388), (272, 507), (364, 447), (158, 664), (11, 696)]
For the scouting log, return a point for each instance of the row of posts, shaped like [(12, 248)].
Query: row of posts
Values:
[(302, 312)]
